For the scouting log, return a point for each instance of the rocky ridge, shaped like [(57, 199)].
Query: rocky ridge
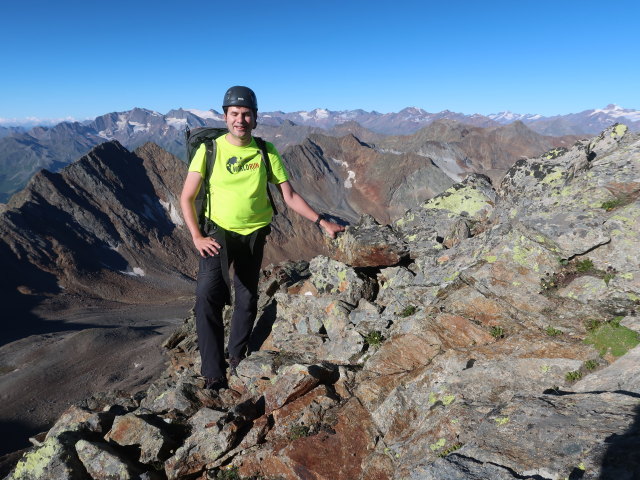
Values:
[(104, 227), (487, 333)]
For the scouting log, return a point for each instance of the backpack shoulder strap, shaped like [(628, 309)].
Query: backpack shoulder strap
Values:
[(210, 159), (194, 139), (262, 145)]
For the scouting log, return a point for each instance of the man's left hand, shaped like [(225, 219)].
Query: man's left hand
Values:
[(331, 228)]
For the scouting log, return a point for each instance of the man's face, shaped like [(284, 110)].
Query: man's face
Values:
[(240, 122)]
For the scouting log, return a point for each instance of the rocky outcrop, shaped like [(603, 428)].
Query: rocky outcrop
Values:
[(502, 344)]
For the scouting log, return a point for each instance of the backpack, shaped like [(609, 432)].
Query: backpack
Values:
[(207, 135)]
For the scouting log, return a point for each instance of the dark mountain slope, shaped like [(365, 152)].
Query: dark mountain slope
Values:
[(107, 226)]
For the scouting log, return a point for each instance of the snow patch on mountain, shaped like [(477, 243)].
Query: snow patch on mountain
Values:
[(351, 175), (122, 122), (174, 214), (508, 117), (136, 272), (204, 113), (616, 111), (177, 123), (139, 127)]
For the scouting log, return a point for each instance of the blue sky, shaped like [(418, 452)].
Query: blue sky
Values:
[(81, 59)]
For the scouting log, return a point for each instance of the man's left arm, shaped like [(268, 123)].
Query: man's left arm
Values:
[(300, 206)]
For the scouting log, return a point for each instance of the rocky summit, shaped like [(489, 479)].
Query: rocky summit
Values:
[(489, 333)]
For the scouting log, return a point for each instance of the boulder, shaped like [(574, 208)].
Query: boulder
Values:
[(145, 432), (369, 244), (103, 463)]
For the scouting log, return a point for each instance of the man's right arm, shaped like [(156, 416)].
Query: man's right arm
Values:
[(206, 245)]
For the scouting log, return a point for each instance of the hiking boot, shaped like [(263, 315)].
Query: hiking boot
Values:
[(215, 384), (233, 364)]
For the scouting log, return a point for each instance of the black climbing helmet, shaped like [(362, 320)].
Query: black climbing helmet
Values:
[(240, 97)]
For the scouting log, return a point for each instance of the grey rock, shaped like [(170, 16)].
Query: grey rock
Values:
[(171, 395), (339, 280), (206, 443), (102, 462), (81, 420), (138, 430)]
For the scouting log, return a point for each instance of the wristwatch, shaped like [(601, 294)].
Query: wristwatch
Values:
[(319, 219)]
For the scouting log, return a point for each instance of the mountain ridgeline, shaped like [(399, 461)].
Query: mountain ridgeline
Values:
[(23, 152)]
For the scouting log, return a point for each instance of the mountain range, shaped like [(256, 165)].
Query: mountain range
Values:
[(25, 151)]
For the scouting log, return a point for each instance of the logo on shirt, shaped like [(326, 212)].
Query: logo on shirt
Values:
[(234, 166)]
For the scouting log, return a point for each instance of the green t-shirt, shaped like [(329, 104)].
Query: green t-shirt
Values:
[(238, 198)]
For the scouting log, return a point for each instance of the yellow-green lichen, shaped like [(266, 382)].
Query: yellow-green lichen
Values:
[(433, 398), (448, 399), (619, 131), (626, 276), (556, 152), (34, 464), (633, 297), (502, 420), (491, 258), (552, 177), (452, 277), (625, 220), (438, 445), (465, 200), (521, 255)]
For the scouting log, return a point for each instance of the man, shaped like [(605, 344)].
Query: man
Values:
[(239, 207)]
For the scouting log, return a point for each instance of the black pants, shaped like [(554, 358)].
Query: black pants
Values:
[(245, 253)]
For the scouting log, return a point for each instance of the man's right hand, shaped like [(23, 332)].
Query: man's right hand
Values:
[(206, 246)]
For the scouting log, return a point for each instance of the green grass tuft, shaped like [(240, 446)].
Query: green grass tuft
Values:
[(573, 376), (612, 338), (611, 204), (230, 473), (374, 339), (408, 311), (591, 364), (298, 431), (592, 324), (552, 332), (585, 265), (451, 449), (497, 331)]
